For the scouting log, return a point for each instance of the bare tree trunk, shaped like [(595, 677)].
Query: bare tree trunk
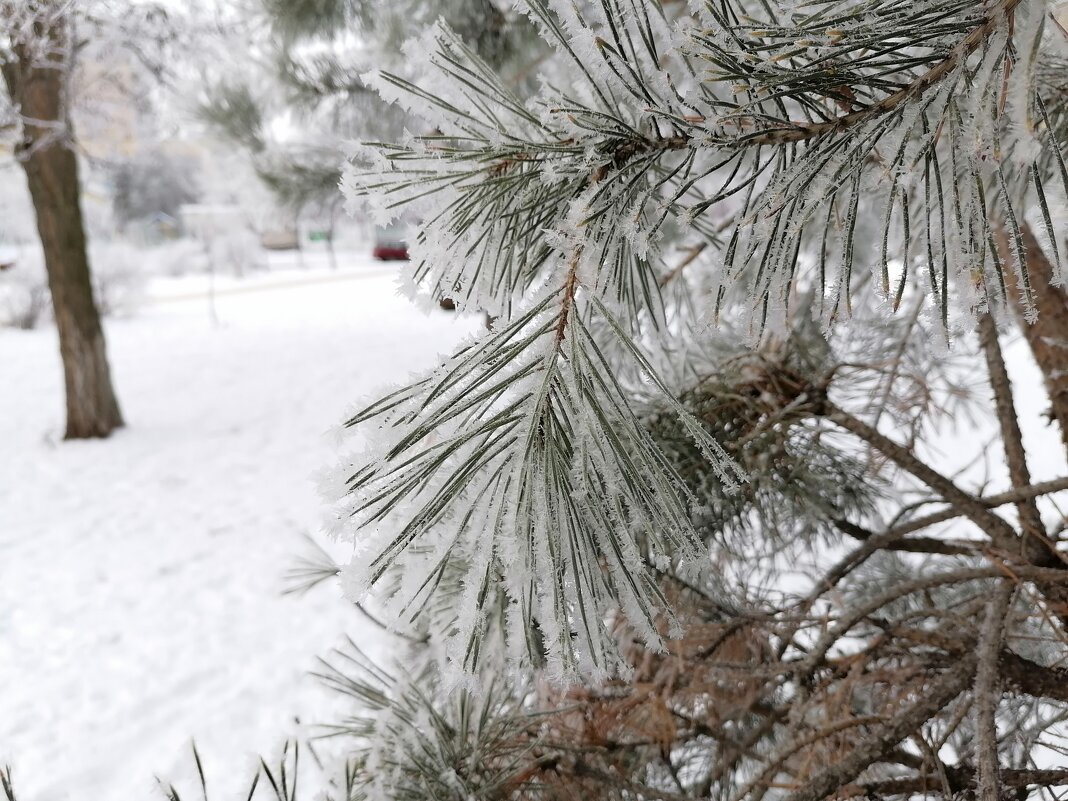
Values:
[(38, 87), (92, 409)]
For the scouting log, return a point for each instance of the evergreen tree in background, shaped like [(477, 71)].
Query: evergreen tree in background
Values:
[(307, 72), (592, 519)]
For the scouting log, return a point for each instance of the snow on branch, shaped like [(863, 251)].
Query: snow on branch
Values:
[(816, 137), (521, 466), (795, 126)]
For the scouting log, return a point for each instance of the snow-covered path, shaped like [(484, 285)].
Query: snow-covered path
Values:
[(140, 577)]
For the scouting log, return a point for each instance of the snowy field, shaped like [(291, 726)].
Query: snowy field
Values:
[(141, 576)]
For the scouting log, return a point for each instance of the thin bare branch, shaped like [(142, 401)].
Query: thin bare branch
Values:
[(1011, 436), (960, 779), (877, 745), (987, 692), (968, 505)]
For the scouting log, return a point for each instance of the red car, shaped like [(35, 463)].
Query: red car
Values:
[(8, 257), (390, 244)]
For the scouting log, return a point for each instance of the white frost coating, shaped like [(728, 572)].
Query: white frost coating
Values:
[(503, 498), (1021, 143), (509, 518)]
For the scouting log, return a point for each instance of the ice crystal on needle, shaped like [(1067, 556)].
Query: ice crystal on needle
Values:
[(520, 470)]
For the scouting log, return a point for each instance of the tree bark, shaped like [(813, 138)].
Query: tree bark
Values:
[(37, 84), (1047, 336)]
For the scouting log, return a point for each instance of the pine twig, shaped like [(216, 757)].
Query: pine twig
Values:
[(960, 778), (968, 505), (871, 749), (1008, 420), (800, 131), (6, 784), (987, 691)]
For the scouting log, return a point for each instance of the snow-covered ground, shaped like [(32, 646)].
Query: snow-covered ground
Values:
[(141, 576)]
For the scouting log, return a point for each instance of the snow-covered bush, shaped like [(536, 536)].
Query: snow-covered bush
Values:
[(120, 274), (177, 258), (236, 252), (24, 298)]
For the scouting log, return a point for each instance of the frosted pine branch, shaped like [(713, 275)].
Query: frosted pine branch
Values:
[(794, 143), (521, 467)]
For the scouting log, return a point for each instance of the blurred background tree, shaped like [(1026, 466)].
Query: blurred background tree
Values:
[(301, 98), (94, 62), (37, 60)]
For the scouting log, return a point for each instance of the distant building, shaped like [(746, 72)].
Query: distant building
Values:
[(280, 238), (113, 110)]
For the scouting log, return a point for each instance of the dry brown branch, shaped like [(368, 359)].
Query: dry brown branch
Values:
[(959, 778), (686, 261), (1011, 436), (1001, 534), (1047, 335), (968, 505), (816, 655), (890, 539), (776, 762), (987, 691), (990, 501), (877, 745), (914, 545), (1039, 681)]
